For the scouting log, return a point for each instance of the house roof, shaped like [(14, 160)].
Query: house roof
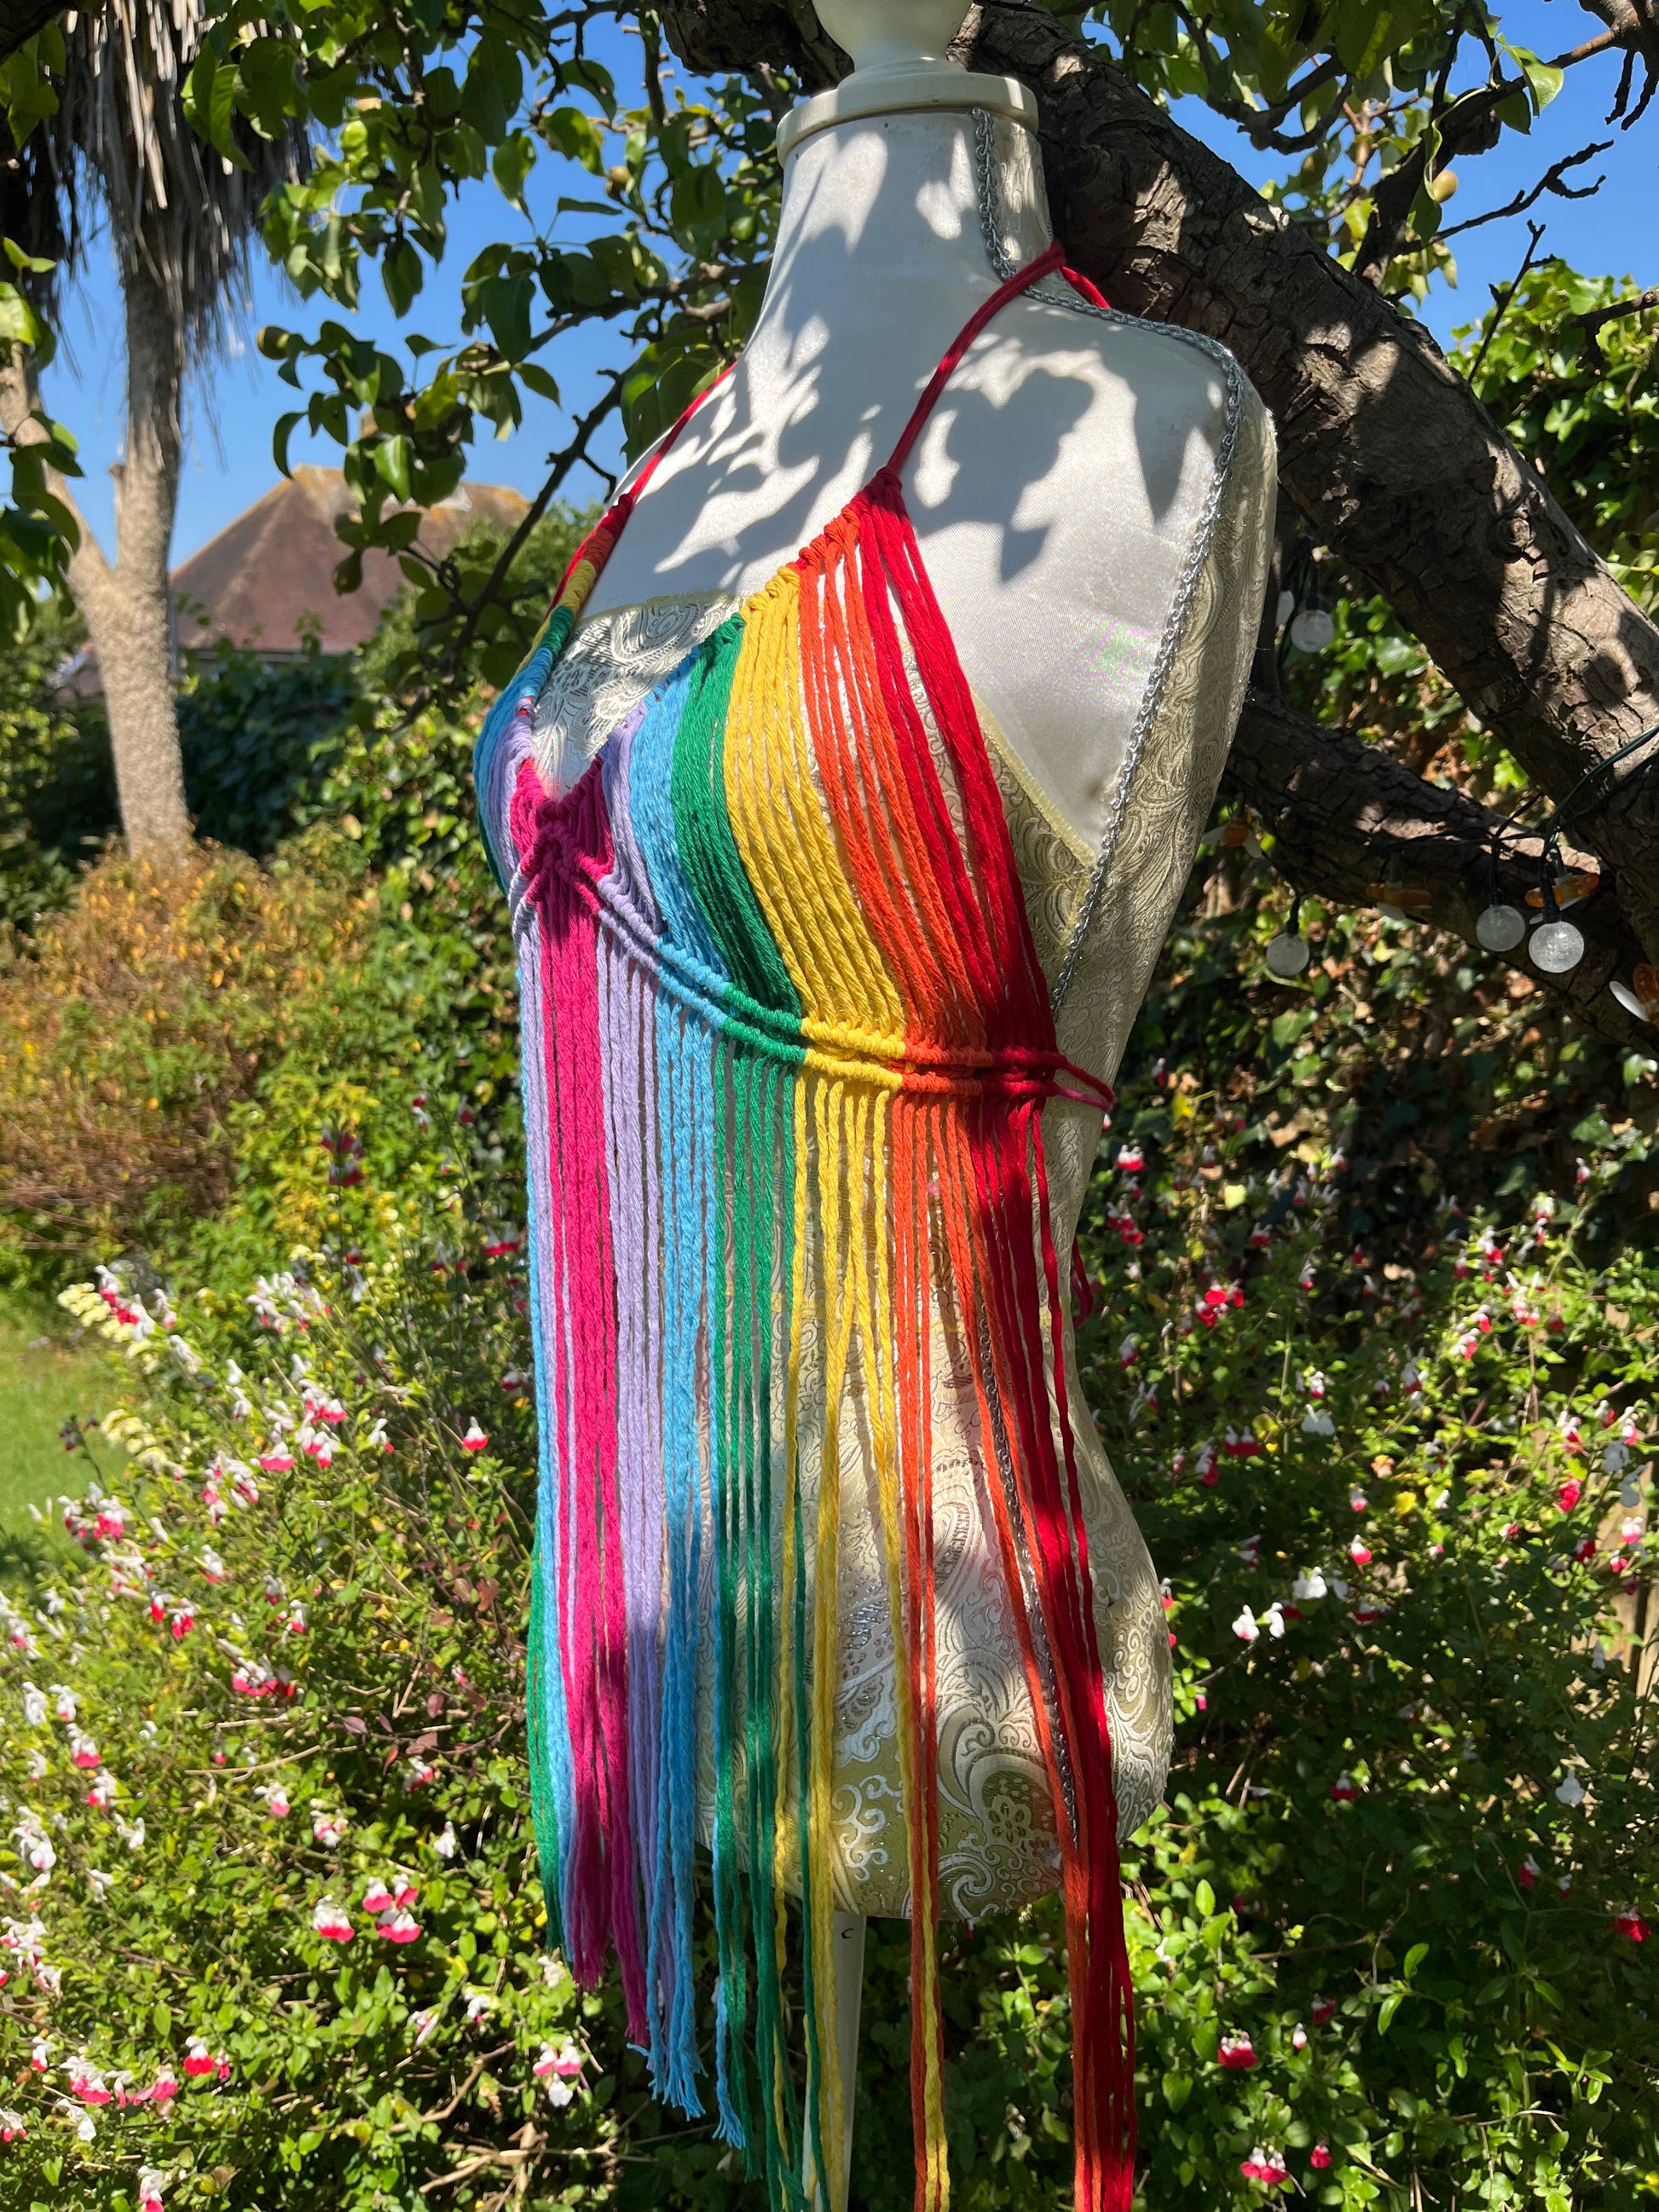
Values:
[(267, 577)]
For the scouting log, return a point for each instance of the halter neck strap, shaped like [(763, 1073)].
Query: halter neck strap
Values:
[(987, 312)]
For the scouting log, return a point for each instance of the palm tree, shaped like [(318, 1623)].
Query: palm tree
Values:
[(180, 218)]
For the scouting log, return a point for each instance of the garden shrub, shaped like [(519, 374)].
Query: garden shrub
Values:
[(257, 741), (1389, 1443), (137, 1018), (56, 778)]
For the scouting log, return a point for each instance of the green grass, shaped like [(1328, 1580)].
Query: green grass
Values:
[(44, 1378)]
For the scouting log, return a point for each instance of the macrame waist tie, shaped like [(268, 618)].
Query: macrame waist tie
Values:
[(786, 1046)]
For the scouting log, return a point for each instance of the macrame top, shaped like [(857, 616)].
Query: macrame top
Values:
[(788, 1047)]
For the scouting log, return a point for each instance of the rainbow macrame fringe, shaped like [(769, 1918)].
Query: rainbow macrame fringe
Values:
[(787, 1044)]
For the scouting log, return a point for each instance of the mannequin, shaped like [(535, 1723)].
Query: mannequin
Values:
[(1091, 499)]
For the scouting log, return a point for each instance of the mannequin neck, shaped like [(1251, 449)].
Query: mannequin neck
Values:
[(880, 201)]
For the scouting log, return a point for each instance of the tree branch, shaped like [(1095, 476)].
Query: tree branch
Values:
[(1347, 818), (1391, 461), (1593, 323), (1553, 181)]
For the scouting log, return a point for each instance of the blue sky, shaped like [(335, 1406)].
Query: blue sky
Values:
[(232, 409)]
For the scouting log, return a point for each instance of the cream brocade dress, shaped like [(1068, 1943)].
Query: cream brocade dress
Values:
[(997, 1838)]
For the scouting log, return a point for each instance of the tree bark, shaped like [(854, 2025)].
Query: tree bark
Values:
[(127, 605), (1391, 461), (20, 19)]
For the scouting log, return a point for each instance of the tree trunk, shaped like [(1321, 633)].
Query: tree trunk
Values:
[(1387, 454), (126, 606)]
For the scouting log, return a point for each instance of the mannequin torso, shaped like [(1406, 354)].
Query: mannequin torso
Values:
[(1057, 491)]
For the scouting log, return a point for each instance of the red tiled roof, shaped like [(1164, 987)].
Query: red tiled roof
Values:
[(268, 576)]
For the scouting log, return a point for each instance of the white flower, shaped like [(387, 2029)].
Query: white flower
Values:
[(1309, 1586), (560, 2093), (1570, 1791), (1245, 1627), (1275, 1619), (445, 1845), (86, 2129), (99, 1884), (34, 1706)]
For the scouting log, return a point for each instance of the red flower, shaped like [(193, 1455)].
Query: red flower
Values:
[(1319, 2156), (1568, 1495), (1526, 1873), (1632, 1925), (1237, 2053)]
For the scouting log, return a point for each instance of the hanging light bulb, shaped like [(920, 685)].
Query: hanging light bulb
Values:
[(1557, 947), (1312, 630), (1284, 609), (1500, 929)]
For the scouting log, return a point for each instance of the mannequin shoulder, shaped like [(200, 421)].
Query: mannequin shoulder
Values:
[(1113, 384)]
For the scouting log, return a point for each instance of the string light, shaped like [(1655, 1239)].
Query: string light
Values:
[(1288, 954)]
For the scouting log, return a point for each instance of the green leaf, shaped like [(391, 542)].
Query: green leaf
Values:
[(392, 458), (403, 274), (511, 165), (1203, 1900), (1414, 1959), (208, 99), (285, 425), (1387, 2009)]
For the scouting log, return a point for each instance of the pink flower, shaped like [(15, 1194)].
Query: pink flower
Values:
[(1345, 1789), (1319, 2156), (12, 2129), (377, 1897), (1298, 2036), (328, 1828), (165, 2088), (1632, 1925), (87, 2083), (1235, 2053), (183, 1620), (1265, 2166), (330, 1921), (1568, 1495), (83, 1751), (404, 1889), (475, 1440), (400, 1927), (1360, 1552), (276, 1459), (199, 2060)]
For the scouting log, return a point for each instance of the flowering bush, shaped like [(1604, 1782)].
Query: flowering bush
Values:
[(136, 1019), (271, 1921)]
